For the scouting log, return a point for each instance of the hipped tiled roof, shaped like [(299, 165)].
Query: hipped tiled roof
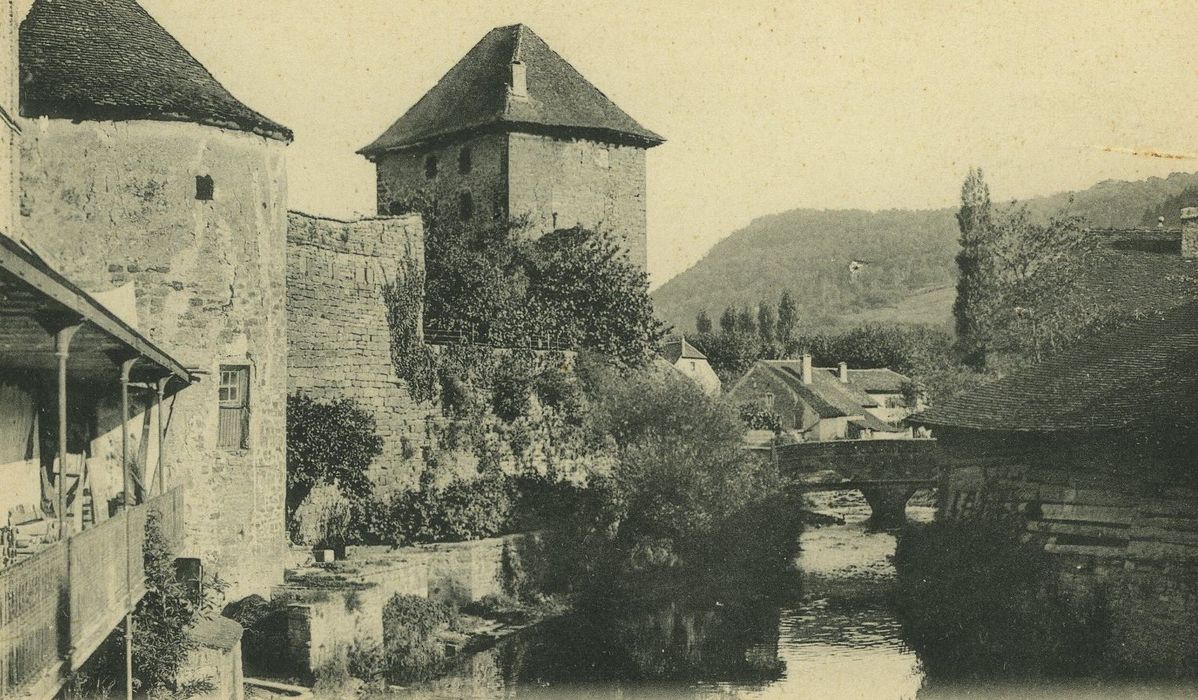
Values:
[(110, 60), (1144, 375), (826, 394), (475, 93), (878, 381)]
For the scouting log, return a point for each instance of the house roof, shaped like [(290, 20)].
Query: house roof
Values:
[(679, 348), (871, 422), (35, 294), (475, 94), (826, 394), (109, 59), (1139, 376), (878, 381)]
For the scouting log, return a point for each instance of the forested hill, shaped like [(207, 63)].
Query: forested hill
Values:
[(908, 255)]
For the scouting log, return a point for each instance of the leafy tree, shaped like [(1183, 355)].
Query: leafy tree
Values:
[(728, 320), (703, 322), (582, 283), (330, 442), (746, 322), (766, 323), (684, 498), (1017, 291), (487, 281), (788, 318)]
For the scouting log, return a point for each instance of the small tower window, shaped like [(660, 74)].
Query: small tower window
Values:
[(465, 162), (430, 166), (205, 188), (465, 205)]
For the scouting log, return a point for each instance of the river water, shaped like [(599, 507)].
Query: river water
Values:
[(837, 637)]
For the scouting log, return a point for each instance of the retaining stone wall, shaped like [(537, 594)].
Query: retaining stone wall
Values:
[(338, 339)]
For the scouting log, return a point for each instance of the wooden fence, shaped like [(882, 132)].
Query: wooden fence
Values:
[(58, 606)]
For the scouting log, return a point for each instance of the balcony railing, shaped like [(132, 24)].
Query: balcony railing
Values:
[(58, 606)]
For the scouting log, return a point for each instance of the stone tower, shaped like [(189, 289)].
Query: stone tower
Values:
[(514, 131), (144, 178)]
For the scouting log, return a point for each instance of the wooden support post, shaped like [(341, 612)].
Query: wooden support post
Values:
[(126, 369), (62, 350), (159, 477)]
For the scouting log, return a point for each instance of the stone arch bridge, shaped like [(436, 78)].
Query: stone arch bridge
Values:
[(887, 472)]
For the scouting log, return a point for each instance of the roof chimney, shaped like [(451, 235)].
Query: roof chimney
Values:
[(519, 85), (844, 372), (1189, 232), (806, 358)]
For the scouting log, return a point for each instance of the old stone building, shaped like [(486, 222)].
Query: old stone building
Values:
[(826, 403), (514, 131), (146, 182), (1093, 451)]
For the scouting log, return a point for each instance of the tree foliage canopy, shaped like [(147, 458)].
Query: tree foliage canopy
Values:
[(1017, 278), (576, 287)]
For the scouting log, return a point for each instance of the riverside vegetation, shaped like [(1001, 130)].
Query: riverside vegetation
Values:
[(664, 504)]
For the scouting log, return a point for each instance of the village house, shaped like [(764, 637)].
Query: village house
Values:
[(514, 132), (1093, 451), (692, 364), (146, 183), (826, 403)]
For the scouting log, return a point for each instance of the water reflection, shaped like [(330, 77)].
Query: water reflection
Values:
[(837, 637)]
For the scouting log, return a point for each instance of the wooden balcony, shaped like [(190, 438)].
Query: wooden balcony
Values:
[(57, 606)]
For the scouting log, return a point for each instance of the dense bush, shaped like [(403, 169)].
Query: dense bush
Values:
[(758, 417), (331, 443), (462, 510), (975, 600), (684, 496), (410, 627)]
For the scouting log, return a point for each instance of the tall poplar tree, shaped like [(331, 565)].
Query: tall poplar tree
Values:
[(977, 283), (788, 318)]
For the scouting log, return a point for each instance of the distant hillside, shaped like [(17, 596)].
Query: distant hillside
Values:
[(909, 255)]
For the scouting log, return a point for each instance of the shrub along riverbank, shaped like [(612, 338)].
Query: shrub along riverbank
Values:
[(976, 602), (680, 515)]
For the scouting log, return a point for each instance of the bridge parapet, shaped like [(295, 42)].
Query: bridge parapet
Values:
[(863, 460), (888, 472)]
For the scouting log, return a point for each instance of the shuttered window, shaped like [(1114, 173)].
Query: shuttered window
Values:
[(234, 407)]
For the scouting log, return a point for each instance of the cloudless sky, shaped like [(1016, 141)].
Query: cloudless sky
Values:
[(766, 106)]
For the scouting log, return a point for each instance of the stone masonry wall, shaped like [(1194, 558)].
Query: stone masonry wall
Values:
[(339, 342), (554, 182), (402, 177), (1129, 541), (559, 183), (113, 205)]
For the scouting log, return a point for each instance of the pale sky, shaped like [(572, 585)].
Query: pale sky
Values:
[(766, 106)]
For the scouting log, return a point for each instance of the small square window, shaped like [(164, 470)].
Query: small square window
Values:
[(430, 166), (465, 161), (205, 188), (233, 396)]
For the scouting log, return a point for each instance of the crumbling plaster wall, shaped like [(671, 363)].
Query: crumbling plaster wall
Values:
[(114, 203), (562, 182)]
